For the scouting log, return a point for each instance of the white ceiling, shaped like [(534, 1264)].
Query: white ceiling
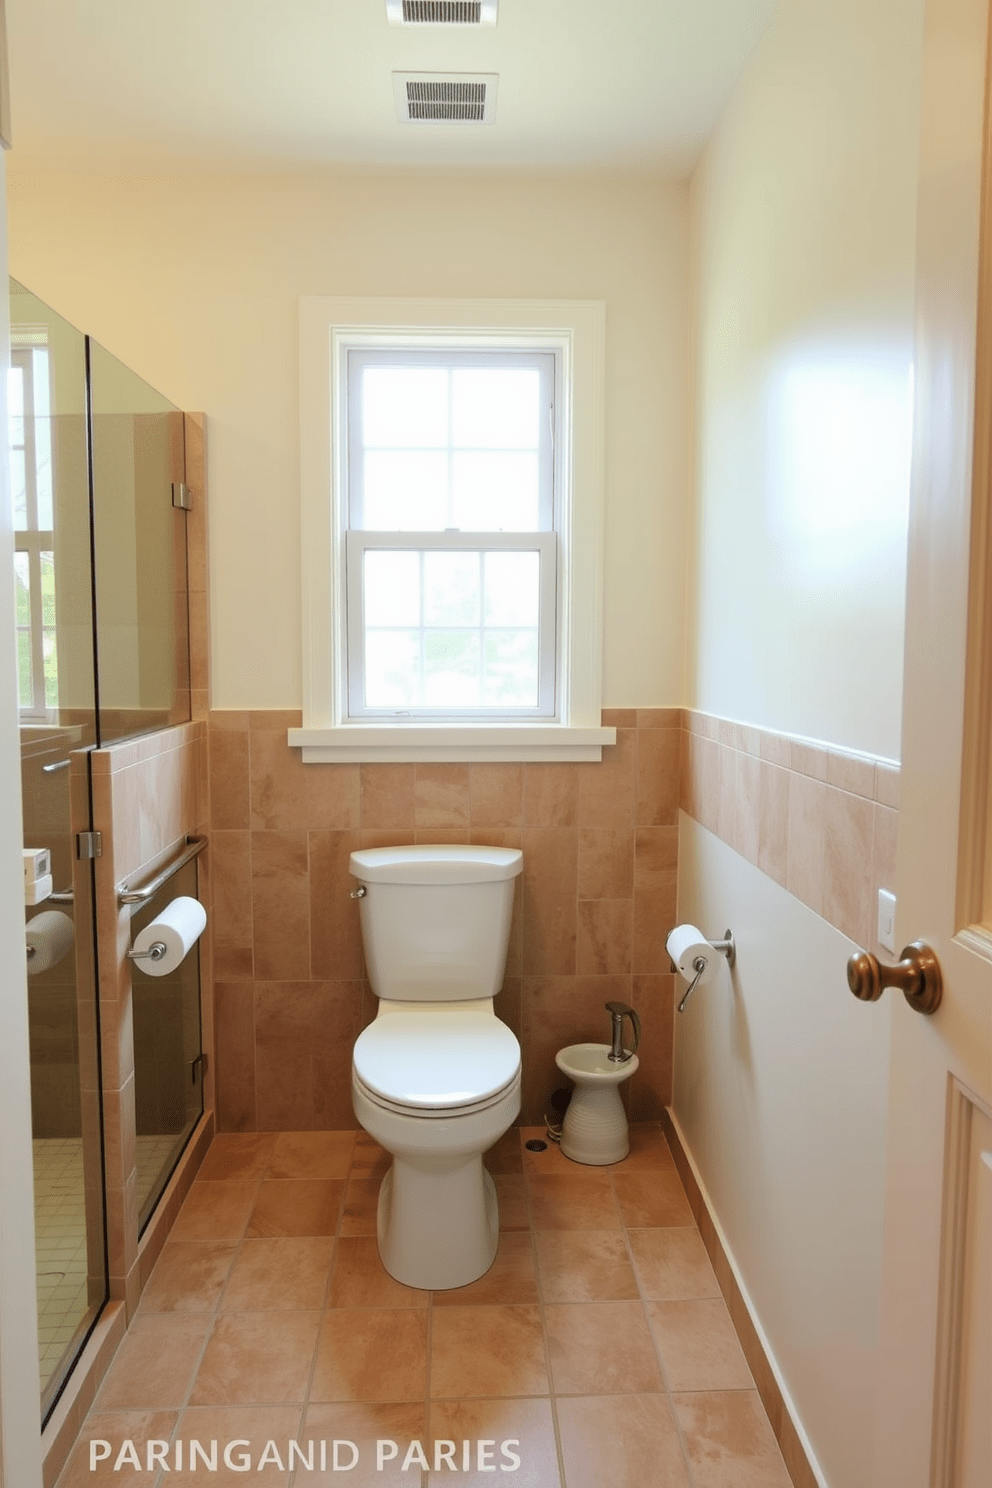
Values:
[(629, 84)]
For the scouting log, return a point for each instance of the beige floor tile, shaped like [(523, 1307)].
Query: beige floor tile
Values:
[(648, 1149), (504, 1156), (254, 1358), (365, 1424), (626, 1443), (215, 1211), (698, 1345), (189, 1276), (652, 1198), (368, 1159), (545, 1163), (511, 1196), (155, 1362), (245, 1433), (729, 1441), (518, 1428), (115, 1427), (672, 1265), (361, 1280), (487, 1351), (511, 1279), (286, 1273), (297, 1206), (312, 1155), (566, 1202), (371, 1355), (601, 1348), (584, 1266), (238, 1155), (361, 1206)]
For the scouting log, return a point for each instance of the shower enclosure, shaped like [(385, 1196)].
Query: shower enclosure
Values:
[(97, 467)]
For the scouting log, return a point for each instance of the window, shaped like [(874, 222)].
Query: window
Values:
[(452, 510), (34, 543)]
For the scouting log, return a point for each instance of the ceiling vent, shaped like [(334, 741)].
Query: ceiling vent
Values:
[(445, 97), (442, 12)]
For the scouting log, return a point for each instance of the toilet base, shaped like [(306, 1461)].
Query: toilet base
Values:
[(437, 1226)]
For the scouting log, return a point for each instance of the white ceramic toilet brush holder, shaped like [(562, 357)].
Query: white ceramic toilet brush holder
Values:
[(595, 1126)]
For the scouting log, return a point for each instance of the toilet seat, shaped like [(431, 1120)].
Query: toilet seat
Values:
[(436, 1062)]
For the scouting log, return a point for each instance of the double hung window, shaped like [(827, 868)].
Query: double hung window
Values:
[(451, 550), (452, 491)]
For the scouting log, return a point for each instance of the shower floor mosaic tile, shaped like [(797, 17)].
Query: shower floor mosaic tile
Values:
[(597, 1350), (60, 1236)]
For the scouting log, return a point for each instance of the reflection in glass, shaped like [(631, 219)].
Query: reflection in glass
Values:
[(168, 1078), (140, 538)]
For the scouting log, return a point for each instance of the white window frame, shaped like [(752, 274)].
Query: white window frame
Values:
[(575, 333)]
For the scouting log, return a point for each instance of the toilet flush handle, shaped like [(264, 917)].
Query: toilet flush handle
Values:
[(360, 892)]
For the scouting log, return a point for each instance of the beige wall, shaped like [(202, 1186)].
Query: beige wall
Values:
[(803, 261), (196, 283), (803, 223)]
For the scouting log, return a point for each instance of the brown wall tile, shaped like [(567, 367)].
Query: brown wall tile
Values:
[(280, 896)]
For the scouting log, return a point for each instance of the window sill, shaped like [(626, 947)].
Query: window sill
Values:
[(452, 744)]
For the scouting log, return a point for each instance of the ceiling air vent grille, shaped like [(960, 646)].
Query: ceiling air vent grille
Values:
[(441, 12), (445, 98)]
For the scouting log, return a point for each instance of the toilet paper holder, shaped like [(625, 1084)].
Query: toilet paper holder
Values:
[(726, 947), (155, 952)]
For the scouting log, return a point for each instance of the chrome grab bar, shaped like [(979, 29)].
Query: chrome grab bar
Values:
[(125, 895)]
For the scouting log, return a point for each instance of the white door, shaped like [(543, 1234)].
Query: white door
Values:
[(934, 1401)]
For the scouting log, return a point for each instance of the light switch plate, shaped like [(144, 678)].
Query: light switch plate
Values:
[(887, 919)]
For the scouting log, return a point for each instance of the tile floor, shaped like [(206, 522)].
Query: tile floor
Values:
[(598, 1341), (60, 1236)]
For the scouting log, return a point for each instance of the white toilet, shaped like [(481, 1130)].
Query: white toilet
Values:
[(436, 1077)]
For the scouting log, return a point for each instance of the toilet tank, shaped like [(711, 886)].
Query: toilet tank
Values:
[(436, 920)]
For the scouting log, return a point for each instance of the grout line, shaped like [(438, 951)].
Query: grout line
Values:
[(541, 1307)]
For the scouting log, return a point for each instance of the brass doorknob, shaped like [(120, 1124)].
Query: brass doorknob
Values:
[(917, 975)]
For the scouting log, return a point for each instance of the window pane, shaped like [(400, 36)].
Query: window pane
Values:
[(15, 404), (495, 407), (22, 588), (47, 588), (512, 588), (18, 490), (25, 688), (404, 407), (451, 589), (451, 669), (405, 491), (495, 492), (392, 668), (511, 669), (392, 588), (50, 654)]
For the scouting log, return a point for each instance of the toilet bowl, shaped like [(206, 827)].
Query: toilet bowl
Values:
[(436, 1075)]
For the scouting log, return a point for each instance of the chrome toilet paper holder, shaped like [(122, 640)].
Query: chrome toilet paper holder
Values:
[(726, 947), (155, 952)]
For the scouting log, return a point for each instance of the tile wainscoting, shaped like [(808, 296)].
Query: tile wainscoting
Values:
[(821, 822), (596, 900)]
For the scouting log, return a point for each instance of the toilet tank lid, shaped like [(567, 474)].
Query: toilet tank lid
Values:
[(440, 864)]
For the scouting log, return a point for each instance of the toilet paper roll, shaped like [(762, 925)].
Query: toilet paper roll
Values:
[(49, 937), (178, 928), (685, 945)]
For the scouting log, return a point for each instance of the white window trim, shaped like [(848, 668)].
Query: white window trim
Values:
[(574, 329)]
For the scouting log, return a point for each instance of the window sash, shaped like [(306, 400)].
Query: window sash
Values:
[(544, 544), (447, 359)]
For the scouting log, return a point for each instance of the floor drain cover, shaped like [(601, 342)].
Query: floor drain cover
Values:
[(536, 1145)]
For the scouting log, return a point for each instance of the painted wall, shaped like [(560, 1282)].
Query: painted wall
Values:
[(803, 223), (195, 281), (803, 259)]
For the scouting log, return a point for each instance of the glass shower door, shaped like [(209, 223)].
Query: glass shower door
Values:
[(47, 435)]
